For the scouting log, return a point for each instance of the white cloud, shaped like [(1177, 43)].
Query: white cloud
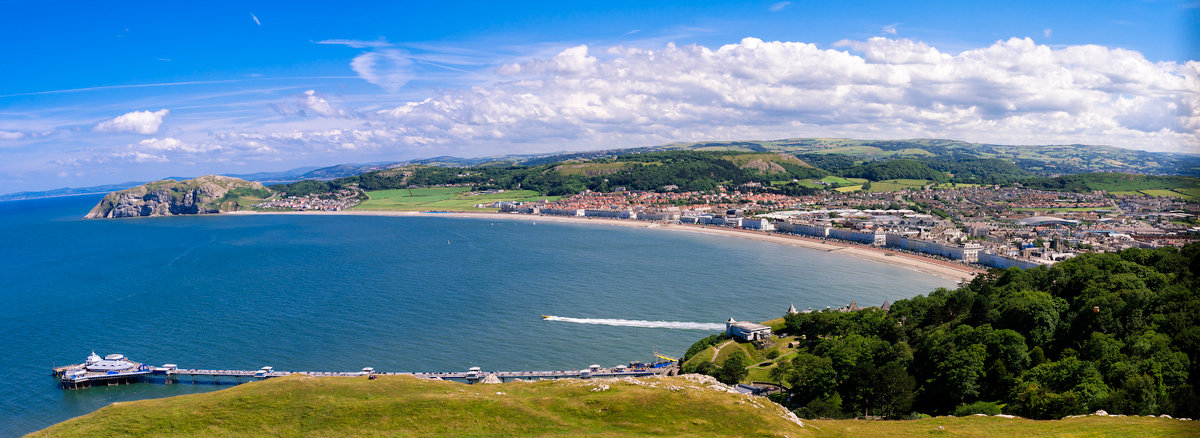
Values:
[(389, 69), (357, 44), (255, 17), (138, 157), (890, 29), (583, 97), (1047, 32), (779, 6), (11, 135), (138, 122), (1012, 91), (168, 144), (310, 104)]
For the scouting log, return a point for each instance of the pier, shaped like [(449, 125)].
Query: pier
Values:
[(115, 369)]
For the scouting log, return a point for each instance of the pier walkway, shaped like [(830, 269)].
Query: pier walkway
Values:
[(82, 376)]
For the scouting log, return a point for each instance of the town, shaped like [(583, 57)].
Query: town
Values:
[(989, 226)]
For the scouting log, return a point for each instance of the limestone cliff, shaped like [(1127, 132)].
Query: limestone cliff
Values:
[(206, 194)]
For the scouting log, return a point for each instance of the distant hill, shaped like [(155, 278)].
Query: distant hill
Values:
[(206, 194), (1045, 160), (972, 162), (1049, 160), (286, 176), (70, 191)]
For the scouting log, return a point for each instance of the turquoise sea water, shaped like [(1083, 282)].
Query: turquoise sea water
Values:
[(397, 294)]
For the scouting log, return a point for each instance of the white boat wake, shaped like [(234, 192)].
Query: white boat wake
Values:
[(640, 323)]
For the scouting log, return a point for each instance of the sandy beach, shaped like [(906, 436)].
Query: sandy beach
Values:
[(942, 268)]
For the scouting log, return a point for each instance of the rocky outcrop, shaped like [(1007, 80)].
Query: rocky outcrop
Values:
[(206, 194), (764, 166)]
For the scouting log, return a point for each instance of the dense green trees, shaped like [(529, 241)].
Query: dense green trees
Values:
[(1119, 332), (894, 169)]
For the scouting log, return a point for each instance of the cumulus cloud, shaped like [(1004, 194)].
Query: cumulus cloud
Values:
[(1012, 91), (138, 122)]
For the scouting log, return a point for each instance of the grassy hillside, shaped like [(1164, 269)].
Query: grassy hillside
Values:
[(1040, 159), (1119, 182), (406, 406)]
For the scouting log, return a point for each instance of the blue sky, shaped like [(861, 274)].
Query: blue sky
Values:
[(101, 93)]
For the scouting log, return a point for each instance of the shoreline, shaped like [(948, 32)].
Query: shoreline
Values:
[(940, 268)]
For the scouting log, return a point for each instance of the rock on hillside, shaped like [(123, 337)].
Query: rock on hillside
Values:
[(206, 194)]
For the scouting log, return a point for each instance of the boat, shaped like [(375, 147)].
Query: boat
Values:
[(546, 316)]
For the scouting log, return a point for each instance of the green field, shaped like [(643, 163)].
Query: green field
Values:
[(834, 180), (1189, 193), (1194, 192), (407, 406), (955, 186), (441, 199), (1172, 193), (889, 185)]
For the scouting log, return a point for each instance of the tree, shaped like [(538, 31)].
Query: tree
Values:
[(1034, 312), (961, 374), (734, 368), (1057, 389), (781, 372), (1036, 356), (812, 377), (895, 390)]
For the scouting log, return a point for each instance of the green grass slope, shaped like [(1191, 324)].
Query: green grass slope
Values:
[(406, 406)]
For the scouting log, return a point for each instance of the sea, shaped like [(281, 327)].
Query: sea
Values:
[(339, 293)]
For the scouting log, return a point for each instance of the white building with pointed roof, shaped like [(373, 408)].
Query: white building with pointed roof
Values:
[(746, 331)]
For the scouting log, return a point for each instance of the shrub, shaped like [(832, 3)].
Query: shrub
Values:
[(979, 407), (702, 344), (828, 408)]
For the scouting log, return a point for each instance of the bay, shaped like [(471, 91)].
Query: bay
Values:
[(394, 293)]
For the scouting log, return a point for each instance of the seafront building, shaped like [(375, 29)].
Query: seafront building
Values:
[(746, 331), (988, 226)]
